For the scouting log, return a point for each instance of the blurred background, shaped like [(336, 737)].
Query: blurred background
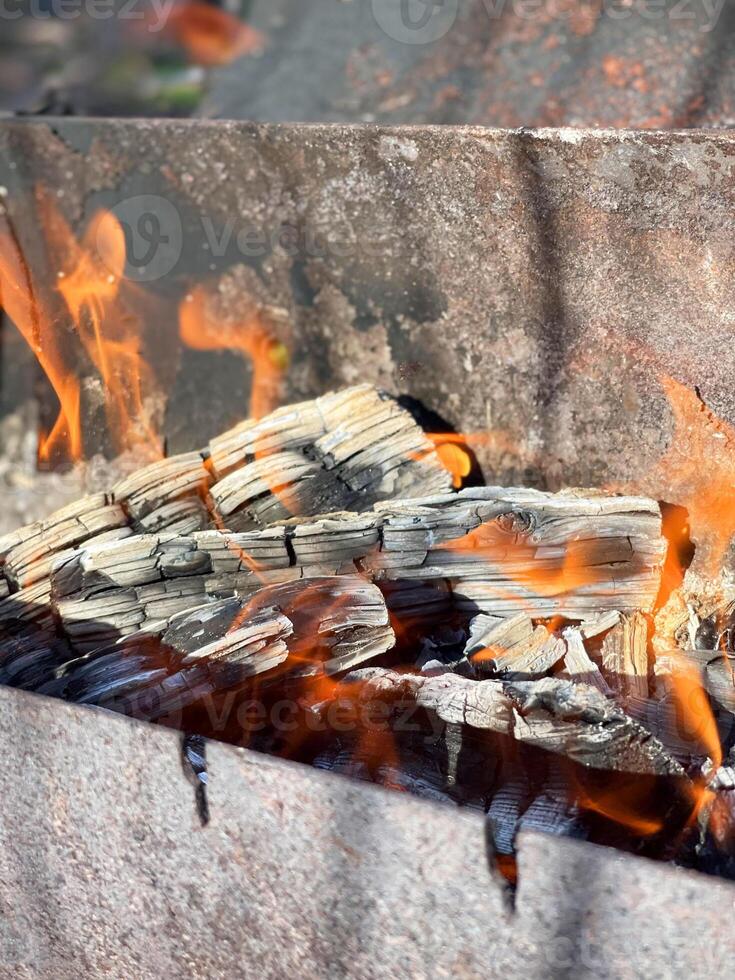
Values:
[(611, 63)]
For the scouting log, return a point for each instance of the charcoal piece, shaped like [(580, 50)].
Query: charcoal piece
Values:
[(194, 754), (506, 809)]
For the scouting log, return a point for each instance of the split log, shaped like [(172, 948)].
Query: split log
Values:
[(343, 451), (28, 553), (577, 721), (508, 551), (571, 720), (592, 628)]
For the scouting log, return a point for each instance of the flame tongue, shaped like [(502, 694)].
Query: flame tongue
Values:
[(91, 284), (701, 467), (200, 330), (40, 327), (82, 306)]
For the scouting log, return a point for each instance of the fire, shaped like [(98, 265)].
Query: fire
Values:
[(701, 461), (91, 276), (679, 554), (80, 313), (209, 35), (627, 804), (698, 724), (110, 336), (199, 330), (456, 450), (39, 327), (453, 455), (696, 718), (584, 562)]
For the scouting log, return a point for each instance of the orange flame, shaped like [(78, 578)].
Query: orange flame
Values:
[(199, 330), (626, 803), (40, 329), (90, 281), (584, 562), (81, 306), (697, 726), (696, 718), (210, 36), (453, 455), (702, 462)]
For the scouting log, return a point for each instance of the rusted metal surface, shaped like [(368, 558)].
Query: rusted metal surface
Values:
[(539, 285), (105, 870), (660, 64)]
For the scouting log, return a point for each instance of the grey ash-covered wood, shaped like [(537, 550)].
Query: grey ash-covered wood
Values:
[(417, 551), (509, 551), (337, 507), (564, 718), (577, 721), (343, 451), (333, 625), (512, 648)]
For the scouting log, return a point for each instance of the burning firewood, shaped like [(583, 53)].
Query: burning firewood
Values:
[(120, 583), (344, 451), (572, 720), (330, 626), (578, 665), (625, 656), (512, 648), (326, 537)]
